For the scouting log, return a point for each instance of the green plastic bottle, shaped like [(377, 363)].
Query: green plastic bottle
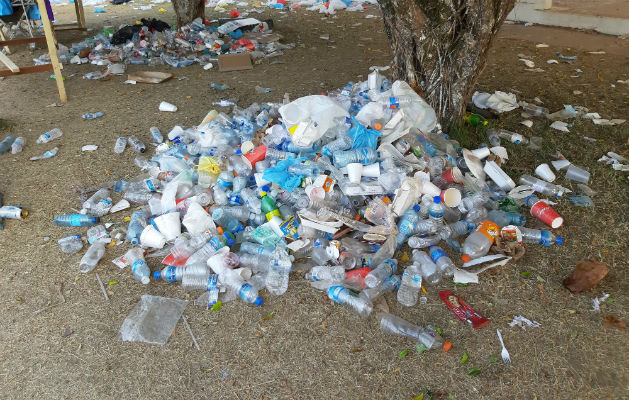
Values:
[(475, 119), (268, 205)]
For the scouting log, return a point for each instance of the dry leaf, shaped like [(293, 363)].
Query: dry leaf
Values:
[(610, 321)]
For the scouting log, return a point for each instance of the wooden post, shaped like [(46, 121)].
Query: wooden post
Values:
[(52, 50)]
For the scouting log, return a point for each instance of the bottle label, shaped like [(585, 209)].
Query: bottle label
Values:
[(215, 243), (170, 274), (47, 136), (436, 214), (489, 229), (394, 103), (150, 185), (212, 282), (272, 213), (137, 265), (334, 292), (394, 281), (415, 278), (235, 199), (545, 238), (11, 212), (75, 220), (436, 254), (290, 227), (244, 289)]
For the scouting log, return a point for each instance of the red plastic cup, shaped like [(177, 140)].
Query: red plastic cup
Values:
[(546, 214), (453, 175), (258, 154)]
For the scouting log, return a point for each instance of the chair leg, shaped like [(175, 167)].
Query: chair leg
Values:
[(52, 50)]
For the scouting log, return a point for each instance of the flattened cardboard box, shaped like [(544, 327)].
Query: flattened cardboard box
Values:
[(235, 62)]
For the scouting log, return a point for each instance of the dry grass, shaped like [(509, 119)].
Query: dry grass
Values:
[(310, 348)]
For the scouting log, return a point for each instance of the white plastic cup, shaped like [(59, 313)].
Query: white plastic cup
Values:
[(151, 237), (430, 189), (451, 197), (166, 106), (481, 152), (545, 172), (354, 172), (578, 174), (499, 176), (197, 219), (169, 225), (372, 170)]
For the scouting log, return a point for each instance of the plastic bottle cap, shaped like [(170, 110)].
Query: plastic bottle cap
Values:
[(156, 275), (263, 194), (559, 240), (416, 208), (238, 152), (230, 242), (265, 188), (378, 126), (220, 230), (258, 301), (437, 200), (465, 258)]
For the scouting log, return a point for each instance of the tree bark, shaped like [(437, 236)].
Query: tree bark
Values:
[(440, 47), (187, 10)]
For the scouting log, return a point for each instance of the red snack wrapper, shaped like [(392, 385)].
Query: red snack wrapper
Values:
[(462, 311)]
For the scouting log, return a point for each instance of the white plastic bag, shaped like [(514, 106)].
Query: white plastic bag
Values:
[(308, 118)]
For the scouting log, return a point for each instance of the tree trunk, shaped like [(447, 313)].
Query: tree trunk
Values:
[(187, 10), (440, 47)]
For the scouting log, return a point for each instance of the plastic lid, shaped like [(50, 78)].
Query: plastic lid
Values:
[(265, 188), (378, 126), (258, 301), (437, 200), (465, 258), (156, 275), (238, 152), (416, 207), (559, 240)]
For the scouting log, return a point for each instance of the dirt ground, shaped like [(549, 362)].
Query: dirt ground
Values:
[(67, 346)]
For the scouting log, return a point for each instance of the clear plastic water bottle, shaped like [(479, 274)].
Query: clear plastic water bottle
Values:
[(541, 186), (430, 272), (91, 116), (70, 244), (6, 144), (444, 263), (390, 284), (195, 277), (304, 169), (76, 220), (258, 263), (136, 144), (247, 292), (137, 222), (170, 274), (478, 243), (277, 280), (226, 221), (139, 267), (456, 229), (363, 155), (18, 145), (120, 145), (255, 248), (96, 232), (406, 224), (502, 218), (537, 236), (410, 285), (383, 271), (326, 273), (240, 213), (343, 142), (436, 210), (156, 135), (239, 166), (397, 326), (251, 200), (534, 110), (342, 295), (49, 136), (476, 214), (205, 252), (494, 136), (420, 242), (92, 256)]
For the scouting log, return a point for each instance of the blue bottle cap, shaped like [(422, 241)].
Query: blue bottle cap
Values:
[(437, 200), (238, 152), (156, 275), (265, 188), (559, 240), (416, 208), (258, 301)]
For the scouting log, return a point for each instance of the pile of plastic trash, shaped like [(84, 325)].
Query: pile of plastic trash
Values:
[(155, 43), (334, 185)]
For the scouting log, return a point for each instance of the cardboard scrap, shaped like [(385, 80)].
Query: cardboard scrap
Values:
[(235, 62)]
